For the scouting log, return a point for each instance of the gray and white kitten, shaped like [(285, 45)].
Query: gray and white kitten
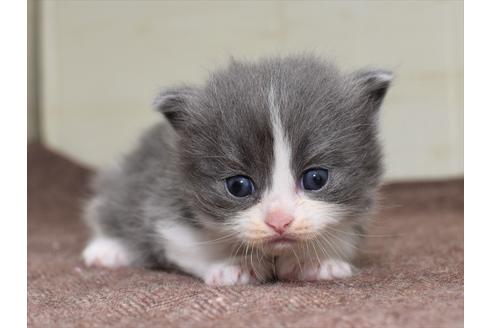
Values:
[(269, 170)]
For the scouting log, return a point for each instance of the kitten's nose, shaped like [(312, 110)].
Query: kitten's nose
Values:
[(279, 221)]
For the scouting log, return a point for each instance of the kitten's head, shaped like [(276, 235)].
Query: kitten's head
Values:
[(280, 150)]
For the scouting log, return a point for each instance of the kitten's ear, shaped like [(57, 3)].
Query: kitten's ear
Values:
[(174, 105), (373, 85)]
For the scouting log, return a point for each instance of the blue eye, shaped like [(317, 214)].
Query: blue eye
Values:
[(314, 179), (239, 186)]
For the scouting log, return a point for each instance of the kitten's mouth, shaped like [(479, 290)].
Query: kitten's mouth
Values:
[(281, 240)]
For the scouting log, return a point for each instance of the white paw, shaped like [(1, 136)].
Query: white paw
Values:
[(292, 270), (327, 270), (105, 252), (228, 274)]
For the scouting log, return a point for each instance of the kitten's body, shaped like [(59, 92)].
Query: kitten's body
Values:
[(167, 205)]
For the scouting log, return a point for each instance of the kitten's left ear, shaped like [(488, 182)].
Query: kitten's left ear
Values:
[(174, 105), (373, 85)]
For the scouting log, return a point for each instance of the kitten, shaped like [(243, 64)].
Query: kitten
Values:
[(268, 171)]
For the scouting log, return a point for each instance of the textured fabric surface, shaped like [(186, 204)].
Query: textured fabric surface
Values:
[(411, 269)]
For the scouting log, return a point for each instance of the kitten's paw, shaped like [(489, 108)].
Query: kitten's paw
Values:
[(326, 270), (292, 270), (105, 252), (229, 274)]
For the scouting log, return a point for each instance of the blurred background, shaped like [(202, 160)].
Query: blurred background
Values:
[(95, 66)]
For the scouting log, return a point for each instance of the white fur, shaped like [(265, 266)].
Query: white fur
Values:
[(209, 256), (106, 252), (294, 269), (191, 249), (317, 213), (282, 194), (225, 274)]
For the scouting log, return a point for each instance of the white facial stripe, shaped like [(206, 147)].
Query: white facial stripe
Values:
[(282, 192)]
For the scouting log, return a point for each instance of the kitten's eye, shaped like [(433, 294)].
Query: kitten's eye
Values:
[(239, 186), (314, 179)]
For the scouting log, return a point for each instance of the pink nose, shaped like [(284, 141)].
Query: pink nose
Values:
[(278, 221)]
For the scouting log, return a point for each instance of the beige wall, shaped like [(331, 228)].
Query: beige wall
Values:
[(32, 78), (103, 61)]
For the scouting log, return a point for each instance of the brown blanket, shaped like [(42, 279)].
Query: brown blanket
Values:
[(411, 269)]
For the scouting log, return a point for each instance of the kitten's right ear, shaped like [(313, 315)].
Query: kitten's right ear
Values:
[(374, 84), (174, 105)]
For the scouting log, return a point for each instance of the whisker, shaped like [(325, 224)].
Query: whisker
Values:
[(298, 261), (218, 240), (252, 264), (363, 234), (315, 251), (323, 250), (237, 250), (335, 248), (343, 241), (258, 261)]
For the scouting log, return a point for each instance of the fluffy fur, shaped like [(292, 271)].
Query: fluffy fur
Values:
[(166, 204)]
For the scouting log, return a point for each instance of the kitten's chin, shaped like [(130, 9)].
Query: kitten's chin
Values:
[(278, 245), (278, 249)]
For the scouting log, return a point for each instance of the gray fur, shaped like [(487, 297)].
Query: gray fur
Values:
[(224, 129)]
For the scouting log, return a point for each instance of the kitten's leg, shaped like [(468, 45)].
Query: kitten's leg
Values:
[(194, 252), (106, 252), (223, 271), (103, 250)]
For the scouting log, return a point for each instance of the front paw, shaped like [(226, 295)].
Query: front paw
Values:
[(229, 274), (105, 252), (293, 270)]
